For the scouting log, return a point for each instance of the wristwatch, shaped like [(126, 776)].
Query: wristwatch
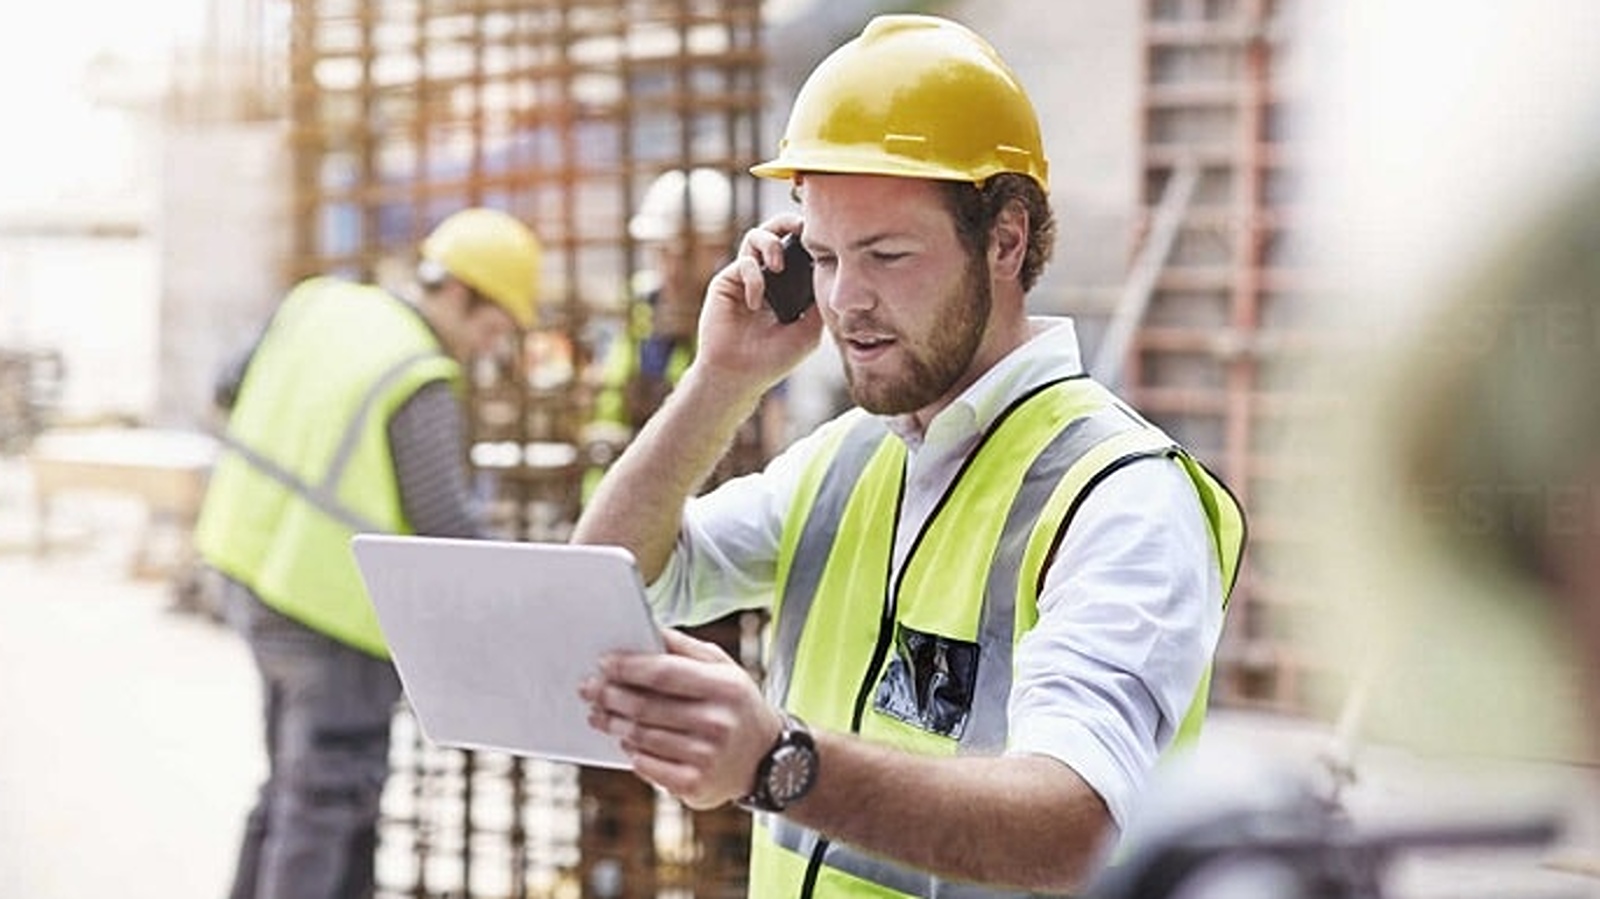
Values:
[(788, 770)]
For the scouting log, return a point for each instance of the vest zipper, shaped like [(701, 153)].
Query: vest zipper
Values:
[(879, 652)]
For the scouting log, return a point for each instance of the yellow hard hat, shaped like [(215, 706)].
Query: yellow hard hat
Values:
[(494, 254), (917, 97)]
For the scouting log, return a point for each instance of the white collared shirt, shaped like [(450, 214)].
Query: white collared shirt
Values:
[(1131, 609)]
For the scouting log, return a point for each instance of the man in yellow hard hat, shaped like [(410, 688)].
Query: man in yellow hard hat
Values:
[(346, 417), (995, 588)]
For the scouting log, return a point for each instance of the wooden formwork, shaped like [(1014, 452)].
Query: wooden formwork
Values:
[(1219, 315), (560, 112)]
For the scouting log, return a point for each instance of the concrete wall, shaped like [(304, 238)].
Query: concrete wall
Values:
[(1080, 61), (78, 262), (93, 299), (223, 232), (147, 288)]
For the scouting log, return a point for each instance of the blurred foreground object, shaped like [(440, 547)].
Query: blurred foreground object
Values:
[(1458, 521), (1236, 825)]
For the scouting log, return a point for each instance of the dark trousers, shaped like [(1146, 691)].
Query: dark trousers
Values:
[(313, 831)]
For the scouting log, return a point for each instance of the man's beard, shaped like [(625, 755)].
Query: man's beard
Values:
[(931, 370)]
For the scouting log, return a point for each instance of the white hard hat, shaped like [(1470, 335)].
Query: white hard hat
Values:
[(661, 213)]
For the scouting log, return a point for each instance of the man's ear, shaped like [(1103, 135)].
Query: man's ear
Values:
[(1008, 240), (455, 295)]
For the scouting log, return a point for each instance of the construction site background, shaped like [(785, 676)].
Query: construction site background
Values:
[(178, 175)]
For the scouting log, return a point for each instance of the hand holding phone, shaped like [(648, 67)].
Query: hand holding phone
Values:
[(789, 292)]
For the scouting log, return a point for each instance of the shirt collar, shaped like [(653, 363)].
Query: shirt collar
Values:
[(1050, 354)]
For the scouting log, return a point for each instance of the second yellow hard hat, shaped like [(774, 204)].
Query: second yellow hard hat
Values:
[(493, 253)]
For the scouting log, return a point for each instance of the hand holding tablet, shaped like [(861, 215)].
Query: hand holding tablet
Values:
[(492, 639)]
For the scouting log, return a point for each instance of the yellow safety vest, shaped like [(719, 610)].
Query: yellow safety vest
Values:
[(621, 367), (307, 461), (613, 403), (928, 668)]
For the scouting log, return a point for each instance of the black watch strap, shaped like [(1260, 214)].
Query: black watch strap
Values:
[(788, 770)]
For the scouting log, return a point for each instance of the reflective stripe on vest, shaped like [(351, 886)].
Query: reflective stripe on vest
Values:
[(324, 494), (991, 534)]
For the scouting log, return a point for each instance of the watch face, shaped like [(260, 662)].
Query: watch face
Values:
[(793, 769)]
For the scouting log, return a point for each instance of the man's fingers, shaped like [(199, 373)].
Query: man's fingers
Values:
[(680, 643), (680, 747), (689, 668), (683, 781), (755, 284), (764, 240)]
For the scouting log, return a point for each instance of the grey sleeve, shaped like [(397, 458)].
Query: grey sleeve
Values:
[(428, 438)]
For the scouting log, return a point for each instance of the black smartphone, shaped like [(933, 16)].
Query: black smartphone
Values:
[(789, 291)]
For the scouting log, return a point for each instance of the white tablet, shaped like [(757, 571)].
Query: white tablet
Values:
[(492, 639)]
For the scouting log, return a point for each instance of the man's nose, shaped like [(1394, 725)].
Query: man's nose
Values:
[(842, 289)]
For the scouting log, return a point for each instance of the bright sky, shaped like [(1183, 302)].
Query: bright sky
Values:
[(57, 144)]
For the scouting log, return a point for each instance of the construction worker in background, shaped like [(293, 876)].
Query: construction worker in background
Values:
[(348, 417), (996, 589), (684, 225)]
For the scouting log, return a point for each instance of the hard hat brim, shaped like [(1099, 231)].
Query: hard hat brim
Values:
[(872, 160)]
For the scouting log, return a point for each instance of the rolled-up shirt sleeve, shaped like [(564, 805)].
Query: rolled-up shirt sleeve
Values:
[(1129, 619), (726, 557)]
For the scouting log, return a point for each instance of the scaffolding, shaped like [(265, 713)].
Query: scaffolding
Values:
[(559, 112), (1210, 311)]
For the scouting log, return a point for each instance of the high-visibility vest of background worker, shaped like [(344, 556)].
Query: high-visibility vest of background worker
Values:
[(346, 416), (685, 227)]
